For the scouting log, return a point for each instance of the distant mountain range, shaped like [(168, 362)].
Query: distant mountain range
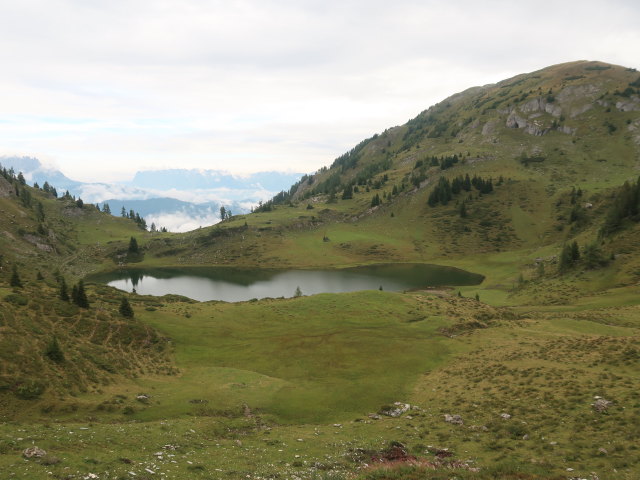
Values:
[(178, 199)]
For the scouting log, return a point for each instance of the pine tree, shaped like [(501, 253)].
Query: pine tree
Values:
[(593, 256), (125, 308), (39, 212), (575, 252), (15, 277), (463, 210), (133, 245), (566, 258), (64, 293), (81, 296), (347, 193), (54, 352)]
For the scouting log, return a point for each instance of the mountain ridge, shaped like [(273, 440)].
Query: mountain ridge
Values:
[(177, 199)]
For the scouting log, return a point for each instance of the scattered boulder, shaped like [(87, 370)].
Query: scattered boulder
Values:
[(33, 452), (601, 405), (505, 416), (453, 419), (395, 410)]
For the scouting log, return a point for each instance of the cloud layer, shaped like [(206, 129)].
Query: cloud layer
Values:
[(106, 88)]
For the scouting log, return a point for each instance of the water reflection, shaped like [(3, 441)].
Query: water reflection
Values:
[(233, 285)]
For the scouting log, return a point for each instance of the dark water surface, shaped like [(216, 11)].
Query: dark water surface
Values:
[(241, 284)]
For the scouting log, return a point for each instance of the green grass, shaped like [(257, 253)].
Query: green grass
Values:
[(308, 359)]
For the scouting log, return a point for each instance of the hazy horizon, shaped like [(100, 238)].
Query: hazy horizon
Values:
[(100, 90)]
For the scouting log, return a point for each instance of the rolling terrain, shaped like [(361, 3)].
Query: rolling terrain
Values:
[(533, 374)]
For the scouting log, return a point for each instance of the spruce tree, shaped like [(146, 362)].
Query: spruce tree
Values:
[(15, 278), (566, 258), (133, 245), (463, 210), (125, 308), (81, 296), (575, 251), (64, 293), (54, 352)]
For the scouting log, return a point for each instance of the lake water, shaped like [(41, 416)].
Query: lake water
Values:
[(235, 285)]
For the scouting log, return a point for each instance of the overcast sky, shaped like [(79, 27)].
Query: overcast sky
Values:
[(102, 88)]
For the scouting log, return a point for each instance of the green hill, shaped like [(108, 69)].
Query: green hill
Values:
[(555, 144)]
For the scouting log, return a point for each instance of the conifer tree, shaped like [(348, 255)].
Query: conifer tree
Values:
[(64, 293), (125, 308), (463, 210), (81, 296), (15, 277), (54, 352), (347, 193), (133, 245), (575, 252)]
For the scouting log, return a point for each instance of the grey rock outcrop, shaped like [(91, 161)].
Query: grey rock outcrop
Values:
[(567, 130), (516, 121), (396, 410), (632, 105)]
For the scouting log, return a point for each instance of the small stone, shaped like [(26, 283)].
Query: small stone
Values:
[(453, 419), (505, 416), (601, 405), (525, 437), (33, 452)]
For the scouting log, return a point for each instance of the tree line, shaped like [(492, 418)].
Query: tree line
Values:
[(445, 189)]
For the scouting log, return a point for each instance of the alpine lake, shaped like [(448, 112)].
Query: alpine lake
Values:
[(242, 284)]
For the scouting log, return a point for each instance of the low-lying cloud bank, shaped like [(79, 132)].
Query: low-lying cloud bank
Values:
[(181, 221)]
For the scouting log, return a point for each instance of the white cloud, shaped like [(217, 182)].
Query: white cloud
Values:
[(107, 88), (181, 221)]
